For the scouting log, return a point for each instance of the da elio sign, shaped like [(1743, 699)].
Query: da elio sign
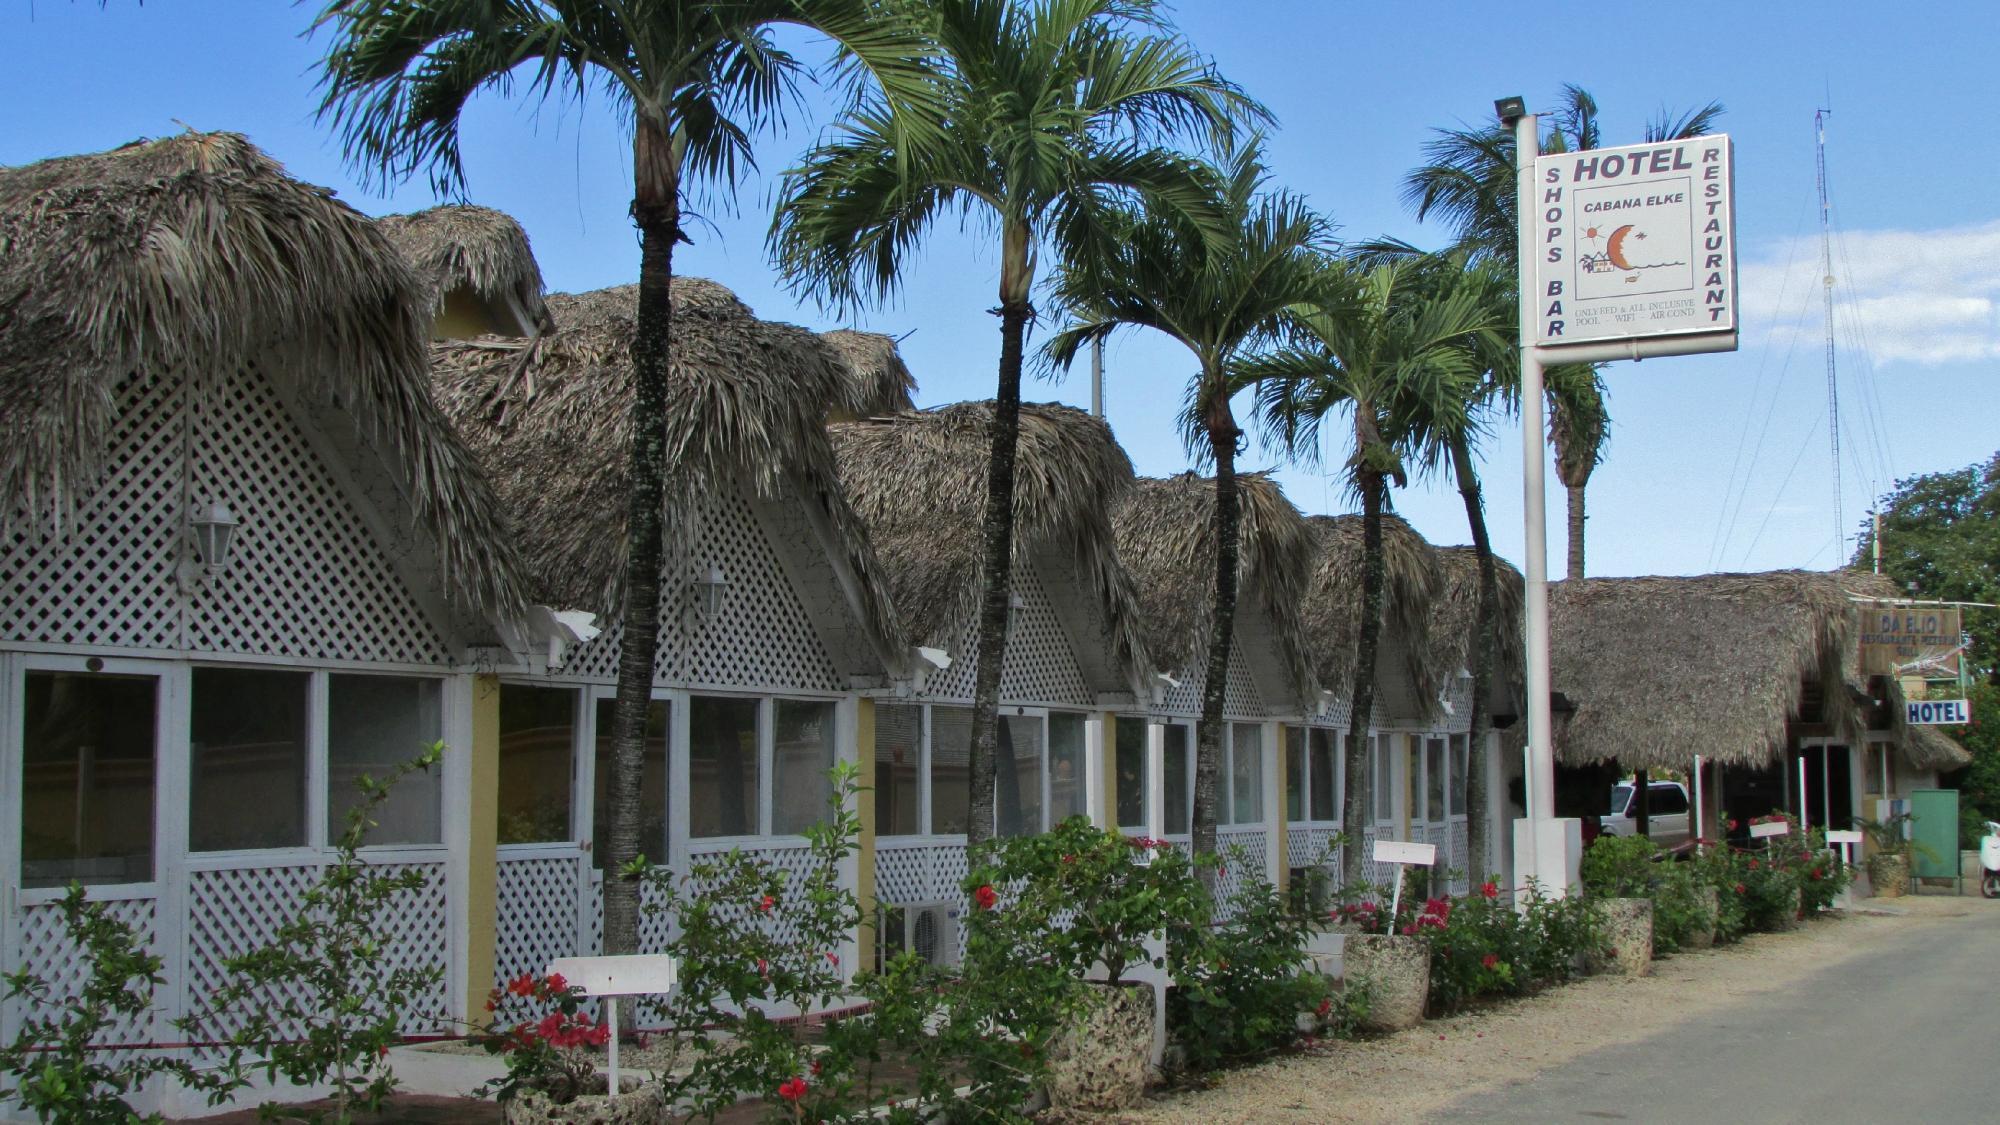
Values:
[(1911, 640), (1635, 244)]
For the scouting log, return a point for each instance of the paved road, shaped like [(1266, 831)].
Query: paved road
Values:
[(1909, 1033)]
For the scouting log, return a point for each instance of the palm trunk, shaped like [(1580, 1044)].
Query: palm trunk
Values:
[(656, 212), (997, 543), (1485, 648), (1359, 801), (1222, 623), (1575, 531)]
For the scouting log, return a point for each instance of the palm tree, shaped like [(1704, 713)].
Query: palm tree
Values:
[(1401, 358), (696, 81), (1052, 109), (1467, 179), (1158, 270)]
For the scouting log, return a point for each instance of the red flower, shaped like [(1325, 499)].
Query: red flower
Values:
[(763, 967), (1490, 889), (556, 983), (1818, 874), (1325, 1007), (1739, 888), (1489, 961), (986, 897), (765, 906), (1732, 824), (1754, 865), (817, 1064), (523, 985), (490, 1005), (793, 1090)]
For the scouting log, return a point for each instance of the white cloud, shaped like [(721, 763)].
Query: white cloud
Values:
[(1918, 296)]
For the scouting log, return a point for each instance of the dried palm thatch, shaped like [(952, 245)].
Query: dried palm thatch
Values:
[(879, 381), (1454, 625), (745, 408), (196, 253), (1661, 669), (1928, 748), (1412, 585), (476, 248), (918, 479), (1166, 539)]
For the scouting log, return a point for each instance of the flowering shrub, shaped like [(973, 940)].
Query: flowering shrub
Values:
[(548, 1054), (1636, 867), (1238, 989)]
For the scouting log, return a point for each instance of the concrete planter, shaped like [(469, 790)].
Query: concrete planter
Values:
[(1889, 875), (1103, 1060), (1396, 972), (1711, 906), (1628, 930), (637, 1105)]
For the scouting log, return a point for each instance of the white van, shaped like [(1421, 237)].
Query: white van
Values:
[(1667, 822)]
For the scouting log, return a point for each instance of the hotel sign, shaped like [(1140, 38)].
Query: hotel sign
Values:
[(1911, 640), (1937, 712), (1634, 243)]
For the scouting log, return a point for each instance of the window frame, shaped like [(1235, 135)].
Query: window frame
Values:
[(1338, 735), (582, 765), (680, 759), (583, 791)]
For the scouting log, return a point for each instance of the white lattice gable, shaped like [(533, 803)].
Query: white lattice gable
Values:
[(325, 566), (816, 567), (1256, 687), (1085, 623), (1041, 666)]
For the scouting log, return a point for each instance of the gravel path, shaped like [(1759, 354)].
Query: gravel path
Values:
[(1412, 1075)]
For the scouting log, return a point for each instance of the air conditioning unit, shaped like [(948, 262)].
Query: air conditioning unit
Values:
[(930, 930)]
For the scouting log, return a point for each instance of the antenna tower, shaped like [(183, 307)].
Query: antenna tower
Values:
[(1832, 382)]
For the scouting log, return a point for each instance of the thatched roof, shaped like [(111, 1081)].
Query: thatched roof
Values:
[(476, 248), (1661, 669), (1412, 585), (1928, 748), (745, 407), (195, 253), (881, 384), (1454, 624), (1166, 539), (918, 479)]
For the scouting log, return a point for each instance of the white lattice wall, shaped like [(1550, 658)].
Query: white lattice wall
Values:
[(1459, 695), (44, 950), (538, 899), (1307, 845), (1241, 697), (307, 578), (1040, 666), (231, 911), (1245, 856), (763, 638), (922, 870)]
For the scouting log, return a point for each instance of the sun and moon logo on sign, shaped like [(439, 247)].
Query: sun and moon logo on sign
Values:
[(1617, 252)]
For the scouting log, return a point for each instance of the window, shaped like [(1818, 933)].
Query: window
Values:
[(1295, 773), (652, 783), (1382, 783), (1017, 780), (1246, 773), (87, 778), (803, 751), (1668, 800), (722, 766), (1131, 766), (1434, 779), (951, 770), (1179, 787), (899, 751), (537, 763), (1461, 777), (1066, 788), (375, 724), (1325, 763), (247, 737)]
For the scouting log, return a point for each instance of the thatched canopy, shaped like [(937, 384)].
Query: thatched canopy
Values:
[(1454, 624), (879, 382), (1928, 748), (1412, 585), (1166, 539), (1662, 669), (196, 253), (746, 404), (459, 246), (918, 479)]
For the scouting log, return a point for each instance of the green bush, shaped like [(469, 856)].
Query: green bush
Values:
[(1238, 987), (1636, 867), (1621, 866)]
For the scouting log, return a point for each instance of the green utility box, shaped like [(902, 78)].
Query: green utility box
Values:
[(1934, 832)]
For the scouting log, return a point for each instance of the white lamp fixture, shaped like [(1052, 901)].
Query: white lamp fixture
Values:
[(213, 528), (709, 590), (1015, 604)]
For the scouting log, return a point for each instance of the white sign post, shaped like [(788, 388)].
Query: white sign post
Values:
[(1846, 839), (1403, 855), (1770, 828), (611, 977)]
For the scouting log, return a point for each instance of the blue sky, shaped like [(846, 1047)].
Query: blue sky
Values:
[(1715, 462)]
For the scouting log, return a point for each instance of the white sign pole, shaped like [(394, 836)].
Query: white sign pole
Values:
[(1698, 833), (1541, 787), (1402, 854), (1805, 804)]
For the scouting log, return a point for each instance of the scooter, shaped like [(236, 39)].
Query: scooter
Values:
[(1989, 861)]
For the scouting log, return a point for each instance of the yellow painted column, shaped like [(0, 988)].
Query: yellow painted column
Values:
[(1107, 813), (482, 883), (864, 872)]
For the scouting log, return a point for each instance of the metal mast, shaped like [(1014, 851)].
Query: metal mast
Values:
[(1832, 382)]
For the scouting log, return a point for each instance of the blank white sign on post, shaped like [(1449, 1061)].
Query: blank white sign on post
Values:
[(1403, 854), (642, 974), (1770, 828)]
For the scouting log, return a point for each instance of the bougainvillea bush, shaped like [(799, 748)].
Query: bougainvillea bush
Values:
[(1238, 989), (540, 1028)]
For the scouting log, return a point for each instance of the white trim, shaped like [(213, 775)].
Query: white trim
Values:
[(1101, 811)]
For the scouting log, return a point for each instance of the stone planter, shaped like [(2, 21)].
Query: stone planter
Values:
[(1628, 930), (1889, 875), (1791, 920), (1102, 1061), (1711, 905), (640, 1104), (1396, 972)]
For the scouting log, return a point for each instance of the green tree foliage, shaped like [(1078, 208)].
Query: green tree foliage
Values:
[(1941, 539)]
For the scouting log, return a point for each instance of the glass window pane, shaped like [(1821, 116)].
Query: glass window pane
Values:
[(247, 759), (1434, 779), (1295, 773), (1180, 788), (951, 770), (1065, 767), (373, 725), (899, 744), (537, 763), (1326, 779), (1017, 781), (1459, 746), (1246, 773), (652, 784), (1131, 736), (803, 752), (1383, 784), (722, 767), (87, 778)]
